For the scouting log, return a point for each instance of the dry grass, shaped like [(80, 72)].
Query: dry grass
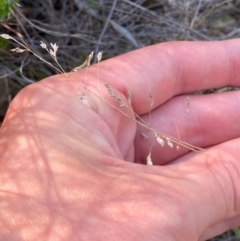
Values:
[(114, 27)]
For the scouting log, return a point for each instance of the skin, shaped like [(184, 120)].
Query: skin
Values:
[(73, 170)]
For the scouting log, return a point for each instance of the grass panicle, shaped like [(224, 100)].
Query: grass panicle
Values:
[(160, 138)]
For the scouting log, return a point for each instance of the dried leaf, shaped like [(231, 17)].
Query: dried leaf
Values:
[(125, 33)]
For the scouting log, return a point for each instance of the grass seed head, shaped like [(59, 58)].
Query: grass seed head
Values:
[(53, 51), (129, 96), (6, 36), (18, 50), (99, 56), (149, 160), (43, 45), (169, 142), (82, 96), (113, 94), (160, 141)]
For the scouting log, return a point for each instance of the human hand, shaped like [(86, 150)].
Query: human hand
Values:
[(70, 169)]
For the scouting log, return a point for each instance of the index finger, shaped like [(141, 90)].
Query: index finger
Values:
[(171, 69)]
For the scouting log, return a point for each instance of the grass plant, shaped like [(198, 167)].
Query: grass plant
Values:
[(161, 138)]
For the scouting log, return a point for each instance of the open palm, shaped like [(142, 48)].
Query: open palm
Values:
[(72, 169)]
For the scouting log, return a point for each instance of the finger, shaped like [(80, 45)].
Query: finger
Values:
[(210, 120), (171, 69)]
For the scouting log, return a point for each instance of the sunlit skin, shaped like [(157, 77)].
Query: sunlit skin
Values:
[(75, 169)]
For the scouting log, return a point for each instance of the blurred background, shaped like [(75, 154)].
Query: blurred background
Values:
[(79, 27)]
